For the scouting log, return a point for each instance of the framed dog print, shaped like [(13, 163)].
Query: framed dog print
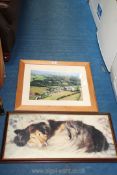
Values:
[(45, 136), (55, 86)]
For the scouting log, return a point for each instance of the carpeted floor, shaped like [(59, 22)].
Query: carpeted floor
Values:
[(58, 30)]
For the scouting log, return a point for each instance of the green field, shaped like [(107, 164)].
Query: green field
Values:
[(59, 95), (39, 90), (54, 87), (63, 95)]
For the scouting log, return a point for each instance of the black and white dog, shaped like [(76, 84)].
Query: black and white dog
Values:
[(41, 132), (83, 135), (87, 136)]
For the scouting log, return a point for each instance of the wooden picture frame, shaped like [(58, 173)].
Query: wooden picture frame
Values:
[(58, 137), (55, 86)]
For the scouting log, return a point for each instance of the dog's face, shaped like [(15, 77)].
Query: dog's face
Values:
[(79, 134), (74, 129), (38, 139), (42, 127), (22, 137), (86, 136)]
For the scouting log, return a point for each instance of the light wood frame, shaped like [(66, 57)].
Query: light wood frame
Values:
[(22, 107), (94, 117)]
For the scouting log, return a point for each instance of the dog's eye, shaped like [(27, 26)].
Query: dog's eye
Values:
[(39, 133), (78, 132), (44, 128), (71, 125)]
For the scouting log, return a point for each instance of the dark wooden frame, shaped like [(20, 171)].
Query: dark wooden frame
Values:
[(54, 160), (2, 67), (20, 107)]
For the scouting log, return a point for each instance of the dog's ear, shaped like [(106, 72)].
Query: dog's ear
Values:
[(54, 124), (31, 128), (51, 122), (17, 131)]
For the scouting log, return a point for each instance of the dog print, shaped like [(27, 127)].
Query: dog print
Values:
[(80, 134)]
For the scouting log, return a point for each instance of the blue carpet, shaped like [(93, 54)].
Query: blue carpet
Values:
[(58, 30)]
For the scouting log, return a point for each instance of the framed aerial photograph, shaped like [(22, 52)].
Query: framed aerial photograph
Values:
[(55, 86), (54, 137)]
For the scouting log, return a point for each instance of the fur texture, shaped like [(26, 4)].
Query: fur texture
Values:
[(80, 134)]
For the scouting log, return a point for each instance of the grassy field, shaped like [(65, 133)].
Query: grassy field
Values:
[(59, 95), (62, 95), (40, 90)]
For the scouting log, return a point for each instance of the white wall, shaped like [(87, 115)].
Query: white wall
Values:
[(107, 33), (106, 28), (114, 75), (94, 9)]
